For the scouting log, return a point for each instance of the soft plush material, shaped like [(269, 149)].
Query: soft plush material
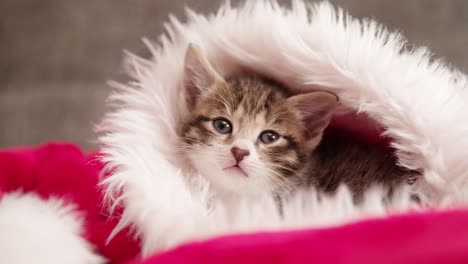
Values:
[(143, 204), (398, 93), (429, 239)]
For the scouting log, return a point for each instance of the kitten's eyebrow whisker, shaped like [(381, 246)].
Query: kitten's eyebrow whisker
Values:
[(223, 100), (230, 96)]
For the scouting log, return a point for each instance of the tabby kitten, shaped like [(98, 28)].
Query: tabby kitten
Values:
[(248, 135)]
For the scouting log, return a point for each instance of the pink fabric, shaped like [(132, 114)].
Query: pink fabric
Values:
[(61, 170), (417, 238), (359, 127)]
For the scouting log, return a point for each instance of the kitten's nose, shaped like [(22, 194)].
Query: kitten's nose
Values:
[(239, 153)]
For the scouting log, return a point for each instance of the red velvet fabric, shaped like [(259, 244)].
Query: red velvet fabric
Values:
[(62, 170), (417, 238)]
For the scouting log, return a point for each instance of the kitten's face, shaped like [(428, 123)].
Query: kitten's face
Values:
[(244, 134)]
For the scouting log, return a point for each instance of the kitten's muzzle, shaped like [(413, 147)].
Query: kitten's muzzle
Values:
[(239, 153)]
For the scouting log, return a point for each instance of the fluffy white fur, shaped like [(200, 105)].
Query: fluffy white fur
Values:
[(422, 103), (34, 230)]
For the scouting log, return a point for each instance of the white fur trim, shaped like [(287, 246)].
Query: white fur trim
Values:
[(422, 103), (41, 231)]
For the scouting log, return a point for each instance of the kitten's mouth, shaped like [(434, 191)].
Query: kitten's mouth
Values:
[(236, 169)]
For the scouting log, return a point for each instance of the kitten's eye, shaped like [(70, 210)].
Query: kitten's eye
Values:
[(269, 136), (222, 125)]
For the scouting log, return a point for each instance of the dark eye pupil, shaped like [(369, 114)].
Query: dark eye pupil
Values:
[(269, 137), (222, 125)]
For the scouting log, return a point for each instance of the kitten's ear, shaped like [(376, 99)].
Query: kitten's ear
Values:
[(199, 75), (316, 110)]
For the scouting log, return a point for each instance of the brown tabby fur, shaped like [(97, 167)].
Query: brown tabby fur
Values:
[(255, 97), (340, 159), (301, 157)]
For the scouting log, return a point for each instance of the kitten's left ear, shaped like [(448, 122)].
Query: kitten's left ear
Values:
[(199, 75), (316, 110)]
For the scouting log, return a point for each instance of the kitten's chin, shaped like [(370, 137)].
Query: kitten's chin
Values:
[(235, 171), (232, 180)]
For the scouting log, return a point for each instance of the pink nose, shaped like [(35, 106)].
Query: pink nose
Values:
[(239, 153)]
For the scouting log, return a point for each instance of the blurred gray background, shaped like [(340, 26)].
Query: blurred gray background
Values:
[(56, 55)]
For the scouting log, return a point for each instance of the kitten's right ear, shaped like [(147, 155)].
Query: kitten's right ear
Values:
[(199, 75), (316, 110)]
